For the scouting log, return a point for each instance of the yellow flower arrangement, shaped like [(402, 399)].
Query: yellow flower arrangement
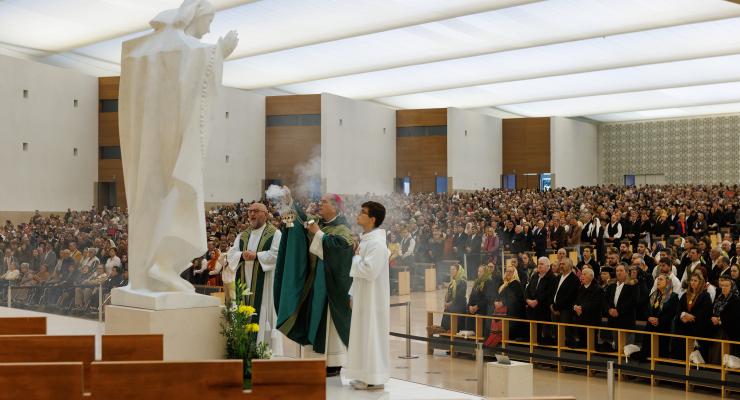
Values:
[(252, 327), (248, 310)]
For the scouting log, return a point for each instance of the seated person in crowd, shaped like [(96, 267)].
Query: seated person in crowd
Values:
[(455, 301), (83, 293)]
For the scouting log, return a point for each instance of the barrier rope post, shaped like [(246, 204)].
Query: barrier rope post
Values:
[(408, 355), (10, 297), (610, 379), (100, 303), (479, 365)]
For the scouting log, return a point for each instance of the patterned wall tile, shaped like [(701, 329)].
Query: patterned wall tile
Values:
[(697, 150)]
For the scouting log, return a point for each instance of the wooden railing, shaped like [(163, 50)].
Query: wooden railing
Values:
[(590, 349)]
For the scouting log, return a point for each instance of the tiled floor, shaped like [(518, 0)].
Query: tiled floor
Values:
[(395, 389)]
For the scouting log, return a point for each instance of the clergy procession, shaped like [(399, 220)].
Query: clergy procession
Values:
[(312, 283)]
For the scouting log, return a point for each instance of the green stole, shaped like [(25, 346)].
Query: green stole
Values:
[(305, 285), (258, 276)]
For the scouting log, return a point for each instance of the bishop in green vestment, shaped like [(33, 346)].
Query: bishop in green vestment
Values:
[(312, 283)]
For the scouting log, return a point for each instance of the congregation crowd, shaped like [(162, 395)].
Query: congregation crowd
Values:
[(658, 258)]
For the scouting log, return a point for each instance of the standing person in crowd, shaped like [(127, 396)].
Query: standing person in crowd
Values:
[(613, 232), (564, 297), (721, 268), (693, 317), (587, 306), (479, 302), (725, 316), (540, 234), (588, 260), (368, 352), (455, 298), (661, 313), (539, 296), (511, 296), (620, 299), (490, 243)]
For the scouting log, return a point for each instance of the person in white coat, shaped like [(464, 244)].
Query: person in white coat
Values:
[(368, 351)]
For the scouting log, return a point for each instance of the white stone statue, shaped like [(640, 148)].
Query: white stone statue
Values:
[(169, 80)]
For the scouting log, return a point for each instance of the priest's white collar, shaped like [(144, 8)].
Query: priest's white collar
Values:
[(332, 220), (259, 230), (374, 232)]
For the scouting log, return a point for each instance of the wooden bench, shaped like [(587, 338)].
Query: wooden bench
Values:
[(30, 381), (23, 326), (48, 349), (132, 348), (289, 379)]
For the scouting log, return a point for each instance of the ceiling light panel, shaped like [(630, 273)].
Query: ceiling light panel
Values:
[(729, 108), (529, 25)]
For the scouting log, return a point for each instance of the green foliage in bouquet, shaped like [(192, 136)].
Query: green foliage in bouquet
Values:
[(239, 327)]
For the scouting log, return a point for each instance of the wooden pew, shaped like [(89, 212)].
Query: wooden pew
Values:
[(157, 380), (133, 348), (32, 381), (284, 379), (48, 349), (23, 326)]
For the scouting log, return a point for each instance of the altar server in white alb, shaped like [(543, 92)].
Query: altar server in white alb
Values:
[(368, 352)]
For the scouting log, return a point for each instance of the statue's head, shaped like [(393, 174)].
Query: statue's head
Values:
[(193, 16)]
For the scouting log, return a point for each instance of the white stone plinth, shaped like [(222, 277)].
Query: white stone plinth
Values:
[(128, 297), (513, 380), (189, 334)]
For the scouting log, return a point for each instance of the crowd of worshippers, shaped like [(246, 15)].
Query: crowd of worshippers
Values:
[(679, 290), (60, 263)]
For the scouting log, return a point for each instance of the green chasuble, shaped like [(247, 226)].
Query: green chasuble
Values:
[(305, 285), (258, 275)]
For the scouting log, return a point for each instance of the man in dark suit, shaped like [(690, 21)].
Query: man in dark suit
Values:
[(539, 296), (518, 241), (539, 233), (459, 242), (473, 251), (558, 236), (564, 296), (620, 301), (588, 305)]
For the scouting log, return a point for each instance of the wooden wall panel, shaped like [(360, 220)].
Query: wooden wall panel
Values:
[(285, 379), (421, 158), (422, 117), (287, 147), (293, 105), (108, 129), (108, 87), (526, 146), (108, 135)]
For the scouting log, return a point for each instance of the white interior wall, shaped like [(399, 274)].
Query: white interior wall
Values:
[(241, 136), (474, 150), (47, 177), (573, 152), (358, 154)]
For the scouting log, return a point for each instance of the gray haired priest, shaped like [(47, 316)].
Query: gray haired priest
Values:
[(312, 282), (253, 258)]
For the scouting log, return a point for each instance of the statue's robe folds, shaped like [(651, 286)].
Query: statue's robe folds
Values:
[(168, 84), (312, 286)]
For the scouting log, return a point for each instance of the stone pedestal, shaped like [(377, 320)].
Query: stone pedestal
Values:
[(513, 380), (430, 279), (189, 333)]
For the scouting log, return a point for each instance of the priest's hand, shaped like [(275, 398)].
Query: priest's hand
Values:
[(228, 43), (313, 228), (249, 255)]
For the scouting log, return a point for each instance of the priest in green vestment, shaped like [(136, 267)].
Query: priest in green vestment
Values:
[(312, 283), (252, 259)]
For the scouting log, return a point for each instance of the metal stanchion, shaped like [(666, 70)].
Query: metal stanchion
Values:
[(408, 355), (610, 379), (479, 365), (100, 303), (10, 296)]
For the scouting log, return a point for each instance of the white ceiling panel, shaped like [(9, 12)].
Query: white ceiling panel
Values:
[(645, 77), (536, 24), (634, 101)]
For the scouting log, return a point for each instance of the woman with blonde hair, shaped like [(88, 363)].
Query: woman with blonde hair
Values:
[(455, 300), (661, 312), (693, 316), (511, 299)]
